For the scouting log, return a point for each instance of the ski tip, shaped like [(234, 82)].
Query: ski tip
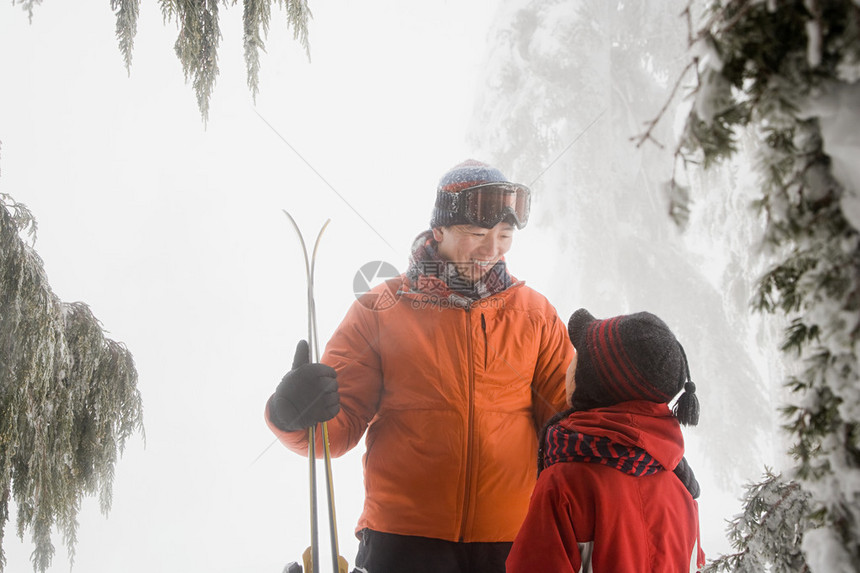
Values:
[(292, 567)]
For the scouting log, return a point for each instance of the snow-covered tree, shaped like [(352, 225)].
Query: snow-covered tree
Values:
[(568, 84), (786, 74), (567, 87), (68, 397), (200, 35)]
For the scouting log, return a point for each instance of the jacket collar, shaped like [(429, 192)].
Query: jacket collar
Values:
[(637, 424)]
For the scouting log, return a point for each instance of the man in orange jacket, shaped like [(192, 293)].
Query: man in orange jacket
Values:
[(451, 369)]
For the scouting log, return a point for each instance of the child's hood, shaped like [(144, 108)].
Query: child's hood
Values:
[(642, 424)]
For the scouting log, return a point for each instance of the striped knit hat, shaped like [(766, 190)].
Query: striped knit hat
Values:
[(465, 175), (630, 357)]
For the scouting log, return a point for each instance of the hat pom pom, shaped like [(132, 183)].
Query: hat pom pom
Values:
[(687, 408)]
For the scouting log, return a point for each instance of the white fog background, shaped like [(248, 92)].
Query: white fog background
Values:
[(172, 231)]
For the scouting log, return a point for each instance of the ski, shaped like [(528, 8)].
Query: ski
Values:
[(310, 557)]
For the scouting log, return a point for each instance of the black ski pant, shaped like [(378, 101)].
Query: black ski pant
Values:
[(389, 553)]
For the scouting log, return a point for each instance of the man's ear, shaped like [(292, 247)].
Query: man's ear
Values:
[(437, 233)]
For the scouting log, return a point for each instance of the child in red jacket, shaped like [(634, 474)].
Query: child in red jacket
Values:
[(614, 491)]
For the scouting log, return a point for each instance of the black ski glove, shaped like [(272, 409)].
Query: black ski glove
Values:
[(307, 394)]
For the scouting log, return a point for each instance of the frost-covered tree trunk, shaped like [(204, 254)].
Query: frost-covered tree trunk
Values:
[(786, 74), (68, 397)]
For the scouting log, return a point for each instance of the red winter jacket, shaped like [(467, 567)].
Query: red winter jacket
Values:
[(451, 400), (590, 517)]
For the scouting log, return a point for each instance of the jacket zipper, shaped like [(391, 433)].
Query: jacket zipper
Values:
[(470, 431), (484, 330)]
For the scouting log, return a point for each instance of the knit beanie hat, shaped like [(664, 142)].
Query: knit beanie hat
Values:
[(468, 174), (630, 357)]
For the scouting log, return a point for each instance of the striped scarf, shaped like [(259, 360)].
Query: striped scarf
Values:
[(563, 445), (429, 274)]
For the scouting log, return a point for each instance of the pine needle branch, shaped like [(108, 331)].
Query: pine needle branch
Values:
[(28, 6), (255, 20), (199, 36), (766, 61), (68, 398), (127, 12), (771, 505)]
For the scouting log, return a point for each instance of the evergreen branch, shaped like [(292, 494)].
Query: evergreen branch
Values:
[(22, 218), (28, 6), (68, 400), (298, 17), (799, 334), (197, 45), (740, 9), (778, 288), (169, 10), (127, 12), (255, 20), (199, 37), (770, 505), (772, 60), (4, 500)]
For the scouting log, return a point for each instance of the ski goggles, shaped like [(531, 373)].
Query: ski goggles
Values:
[(488, 204)]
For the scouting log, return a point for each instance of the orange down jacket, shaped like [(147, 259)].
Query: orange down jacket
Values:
[(451, 400)]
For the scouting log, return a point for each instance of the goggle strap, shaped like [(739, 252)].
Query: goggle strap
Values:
[(448, 201)]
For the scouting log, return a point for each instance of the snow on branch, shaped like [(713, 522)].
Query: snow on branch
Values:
[(199, 36), (68, 398), (786, 74), (775, 510)]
